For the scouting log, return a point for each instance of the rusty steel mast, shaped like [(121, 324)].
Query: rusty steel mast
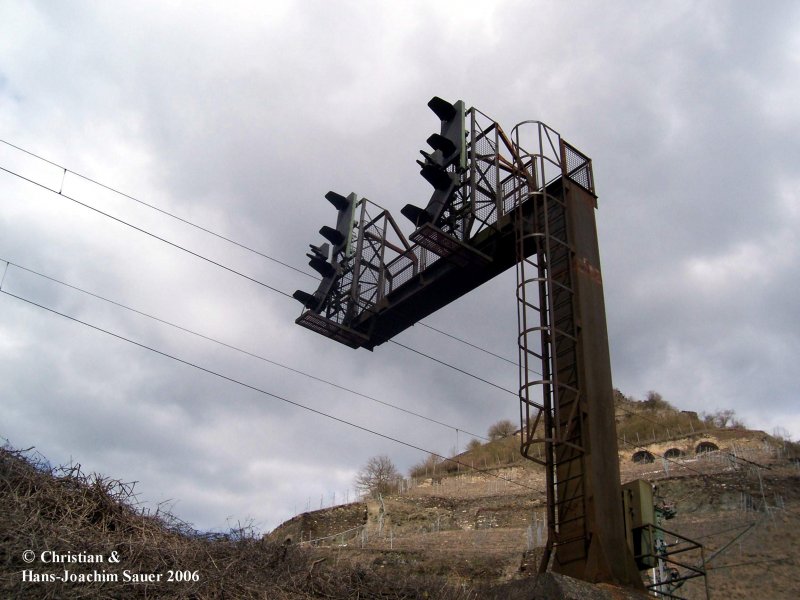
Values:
[(525, 199)]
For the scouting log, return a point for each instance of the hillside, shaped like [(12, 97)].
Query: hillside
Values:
[(735, 491), (65, 534), (451, 532)]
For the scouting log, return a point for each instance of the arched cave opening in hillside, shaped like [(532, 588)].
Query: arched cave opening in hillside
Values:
[(673, 453), (643, 456), (704, 447)]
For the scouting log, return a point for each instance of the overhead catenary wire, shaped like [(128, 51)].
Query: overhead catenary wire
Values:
[(200, 228), (278, 397), (472, 375), (319, 379), (252, 279), (234, 271), (455, 368), (265, 392), (279, 262), (267, 286), (149, 233), (5, 272), (230, 346), (413, 446), (155, 208), (428, 356), (470, 344), (238, 349)]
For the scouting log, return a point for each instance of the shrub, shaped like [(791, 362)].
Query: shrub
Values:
[(473, 445), (428, 467), (501, 429), (655, 401)]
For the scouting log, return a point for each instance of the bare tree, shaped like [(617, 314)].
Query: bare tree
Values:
[(501, 429), (782, 434), (724, 418), (378, 476)]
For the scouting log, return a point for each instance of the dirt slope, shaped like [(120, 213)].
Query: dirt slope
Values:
[(740, 501)]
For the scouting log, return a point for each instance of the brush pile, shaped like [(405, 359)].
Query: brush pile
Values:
[(68, 534)]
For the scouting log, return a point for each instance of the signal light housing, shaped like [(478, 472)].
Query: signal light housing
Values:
[(327, 260), (442, 167)]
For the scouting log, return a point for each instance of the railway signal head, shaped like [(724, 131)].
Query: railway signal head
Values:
[(442, 167), (342, 235), (327, 259), (449, 144)]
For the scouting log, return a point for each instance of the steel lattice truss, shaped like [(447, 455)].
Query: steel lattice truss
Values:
[(384, 265)]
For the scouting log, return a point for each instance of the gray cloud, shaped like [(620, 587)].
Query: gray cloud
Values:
[(241, 119)]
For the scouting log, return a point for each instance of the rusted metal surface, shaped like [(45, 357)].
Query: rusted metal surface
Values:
[(566, 396), (388, 286), (525, 199)]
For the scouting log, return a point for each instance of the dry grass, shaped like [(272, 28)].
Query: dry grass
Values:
[(66, 511), (494, 454)]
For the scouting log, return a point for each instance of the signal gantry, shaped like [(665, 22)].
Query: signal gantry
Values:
[(523, 199)]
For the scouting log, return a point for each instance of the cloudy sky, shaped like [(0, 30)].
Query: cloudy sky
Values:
[(239, 119)]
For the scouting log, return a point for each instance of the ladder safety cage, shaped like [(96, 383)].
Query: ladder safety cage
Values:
[(550, 404)]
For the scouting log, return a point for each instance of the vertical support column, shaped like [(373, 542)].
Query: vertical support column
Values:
[(570, 410), (609, 558)]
